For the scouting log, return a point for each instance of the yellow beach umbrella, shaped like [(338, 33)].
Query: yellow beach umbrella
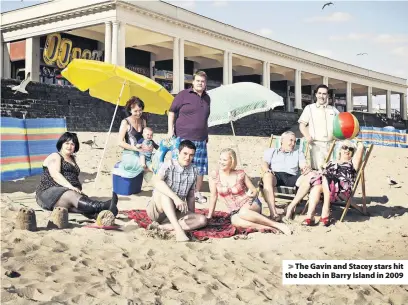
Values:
[(116, 85)]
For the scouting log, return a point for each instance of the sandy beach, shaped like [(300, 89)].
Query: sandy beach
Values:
[(89, 266)]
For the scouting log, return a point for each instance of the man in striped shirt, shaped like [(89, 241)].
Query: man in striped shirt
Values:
[(173, 203)]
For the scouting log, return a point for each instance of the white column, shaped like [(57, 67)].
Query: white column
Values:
[(225, 69), (264, 80), (176, 65), (32, 58), (230, 75), (152, 65), (298, 89), (181, 63), (325, 80), (6, 62), (288, 101), (312, 94), (266, 71), (115, 38), (196, 67), (1, 56), (352, 101), (122, 44), (403, 106), (388, 104), (370, 99), (108, 41), (268, 75), (349, 98)]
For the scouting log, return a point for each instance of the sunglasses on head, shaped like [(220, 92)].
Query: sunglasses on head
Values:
[(349, 148)]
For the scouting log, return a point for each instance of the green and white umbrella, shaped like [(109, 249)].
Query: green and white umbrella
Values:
[(235, 101)]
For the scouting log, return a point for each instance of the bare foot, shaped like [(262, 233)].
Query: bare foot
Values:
[(276, 217), (287, 220), (154, 225), (290, 212), (285, 229), (166, 227), (182, 237)]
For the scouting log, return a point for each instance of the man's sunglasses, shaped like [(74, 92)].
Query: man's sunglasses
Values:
[(350, 149)]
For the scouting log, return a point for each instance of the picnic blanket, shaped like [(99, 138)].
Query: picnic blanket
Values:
[(219, 226)]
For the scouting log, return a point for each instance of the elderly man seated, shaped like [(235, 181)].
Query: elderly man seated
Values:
[(285, 166)]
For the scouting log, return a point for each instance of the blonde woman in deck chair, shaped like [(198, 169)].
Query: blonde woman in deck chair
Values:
[(335, 182)]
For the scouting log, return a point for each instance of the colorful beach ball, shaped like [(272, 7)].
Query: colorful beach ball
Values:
[(345, 126)]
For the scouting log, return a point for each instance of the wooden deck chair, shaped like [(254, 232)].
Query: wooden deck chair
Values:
[(332, 155), (284, 191)]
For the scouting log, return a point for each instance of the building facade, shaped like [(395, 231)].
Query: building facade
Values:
[(169, 44)]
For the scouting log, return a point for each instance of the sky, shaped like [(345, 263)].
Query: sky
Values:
[(340, 31)]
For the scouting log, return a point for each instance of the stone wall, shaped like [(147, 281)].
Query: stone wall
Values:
[(85, 113)]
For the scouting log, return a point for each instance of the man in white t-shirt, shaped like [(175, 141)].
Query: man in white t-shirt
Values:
[(316, 125)]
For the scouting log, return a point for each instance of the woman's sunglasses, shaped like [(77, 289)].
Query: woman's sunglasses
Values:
[(350, 149)]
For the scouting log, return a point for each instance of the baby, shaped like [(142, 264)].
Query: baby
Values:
[(146, 146)]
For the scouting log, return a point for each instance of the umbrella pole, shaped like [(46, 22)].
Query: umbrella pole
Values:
[(110, 129), (235, 144)]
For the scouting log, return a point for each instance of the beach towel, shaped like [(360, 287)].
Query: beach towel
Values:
[(130, 166), (219, 226)]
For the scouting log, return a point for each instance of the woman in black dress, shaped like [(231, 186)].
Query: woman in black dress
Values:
[(60, 185)]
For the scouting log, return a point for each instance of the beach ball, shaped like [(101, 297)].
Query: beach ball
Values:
[(345, 126)]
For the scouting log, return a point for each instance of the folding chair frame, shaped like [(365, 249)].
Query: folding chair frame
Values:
[(277, 190), (360, 176)]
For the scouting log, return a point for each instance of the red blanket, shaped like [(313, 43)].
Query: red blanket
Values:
[(219, 226)]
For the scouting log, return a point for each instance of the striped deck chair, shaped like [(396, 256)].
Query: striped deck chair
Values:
[(15, 162), (333, 153), (284, 191), (42, 136)]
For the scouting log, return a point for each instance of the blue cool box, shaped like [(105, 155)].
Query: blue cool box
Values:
[(127, 186)]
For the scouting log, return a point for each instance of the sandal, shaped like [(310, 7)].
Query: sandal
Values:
[(308, 222), (326, 221)]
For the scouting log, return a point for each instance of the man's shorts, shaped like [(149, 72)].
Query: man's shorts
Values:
[(285, 179), (200, 160), (153, 212)]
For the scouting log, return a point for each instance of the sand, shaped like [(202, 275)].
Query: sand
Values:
[(89, 266)]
